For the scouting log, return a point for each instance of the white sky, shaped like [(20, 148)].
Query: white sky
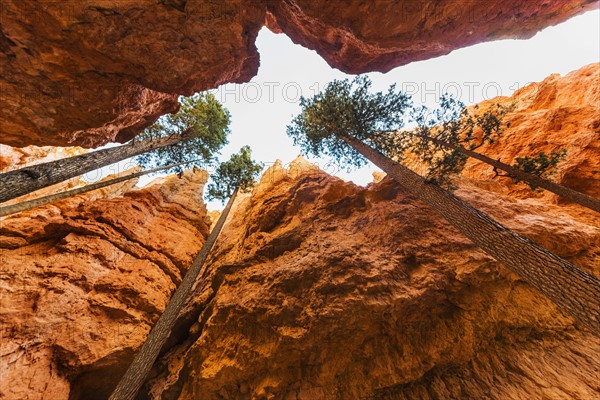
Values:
[(262, 108)]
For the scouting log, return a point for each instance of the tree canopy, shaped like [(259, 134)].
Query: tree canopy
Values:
[(452, 126), (543, 165), (441, 133), (239, 172), (348, 108), (208, 121)]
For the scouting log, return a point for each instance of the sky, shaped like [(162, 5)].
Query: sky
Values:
[(262, 108)]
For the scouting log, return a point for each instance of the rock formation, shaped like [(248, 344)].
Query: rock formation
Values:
[(92, 72), (324, 290), (317, 288), (84, 279)]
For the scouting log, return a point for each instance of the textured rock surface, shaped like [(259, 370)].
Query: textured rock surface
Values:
[(89, 72), (82, 281), (317, 288), (325, 290)]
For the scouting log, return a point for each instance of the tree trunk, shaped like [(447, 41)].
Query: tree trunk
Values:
[(134, 377), (41, 201), (563, 191), (26, 180), (573, 290)]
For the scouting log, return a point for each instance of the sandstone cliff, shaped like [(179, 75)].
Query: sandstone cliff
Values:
[(317, 288), (324, 290), (91, 72), (84, 279)]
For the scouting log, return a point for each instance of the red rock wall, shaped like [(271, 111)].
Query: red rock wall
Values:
[(83, 280), (317, 289), (325, 290), (91, 72)]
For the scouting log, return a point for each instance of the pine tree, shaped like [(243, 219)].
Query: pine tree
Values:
[(445, 138), (231, 177), (343, 122), (210, 123), (237, 173), (196, 131)]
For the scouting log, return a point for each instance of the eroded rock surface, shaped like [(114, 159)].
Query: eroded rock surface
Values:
[(91, 72), (317, 288), (325, 290), (83, 280)]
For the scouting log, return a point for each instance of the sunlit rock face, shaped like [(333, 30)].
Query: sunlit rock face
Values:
[(83, 280), (321, 289), (91, 72), (317, 288)]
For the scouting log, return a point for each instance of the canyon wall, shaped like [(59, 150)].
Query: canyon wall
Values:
[(317, 288), (91, 72), (325, 290), (321, 289), (83, 280)]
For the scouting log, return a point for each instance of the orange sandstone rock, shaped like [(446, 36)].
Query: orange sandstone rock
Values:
[(83, 280), (316, 289), (324, 290), (91, 72), (320, 289)]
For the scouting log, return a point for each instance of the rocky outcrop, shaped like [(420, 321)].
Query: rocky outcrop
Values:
[(84, 279), (321, 289), (88, 73), (317, 288), (358, 36)]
